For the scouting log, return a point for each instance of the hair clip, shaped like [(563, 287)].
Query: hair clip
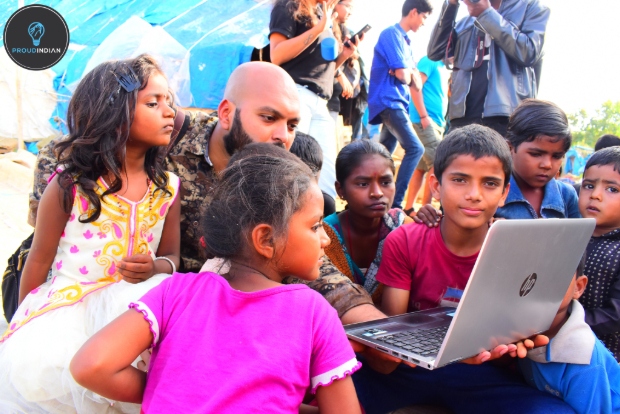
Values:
[(129, 81)]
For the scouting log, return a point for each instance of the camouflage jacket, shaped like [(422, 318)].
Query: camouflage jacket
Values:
[(190, 161)]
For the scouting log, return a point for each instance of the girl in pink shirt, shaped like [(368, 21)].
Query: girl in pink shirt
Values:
[(240, 341)]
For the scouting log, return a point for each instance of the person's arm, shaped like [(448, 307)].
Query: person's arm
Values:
[(443, 37), (140, 267), (348, 51), (606, 319), (523, 44), (284, 49), (103, 363), (396, 271), (342, 294), (418, 101), (394, 301), (338, 397), (51, 222)]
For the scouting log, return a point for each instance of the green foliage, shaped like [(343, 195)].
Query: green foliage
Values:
[(587, 130)]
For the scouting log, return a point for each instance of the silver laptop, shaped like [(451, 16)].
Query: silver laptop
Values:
[(518, 282)]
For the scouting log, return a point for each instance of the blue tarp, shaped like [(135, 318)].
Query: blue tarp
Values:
[(219, 35)]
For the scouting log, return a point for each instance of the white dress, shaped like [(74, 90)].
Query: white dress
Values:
[(83, 295)]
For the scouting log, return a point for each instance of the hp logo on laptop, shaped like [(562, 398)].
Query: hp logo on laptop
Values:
[(528, 285)]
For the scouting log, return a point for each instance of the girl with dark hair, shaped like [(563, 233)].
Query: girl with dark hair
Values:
[(365, 180), (302, 43), (240, 341), (108, 227)]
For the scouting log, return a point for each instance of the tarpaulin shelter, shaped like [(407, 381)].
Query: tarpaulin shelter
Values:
[(198, 42)]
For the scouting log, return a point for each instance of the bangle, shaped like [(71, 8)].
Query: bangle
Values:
[(425, 116), (174, 268)]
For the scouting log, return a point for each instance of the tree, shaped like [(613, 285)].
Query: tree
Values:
[(587, 130)]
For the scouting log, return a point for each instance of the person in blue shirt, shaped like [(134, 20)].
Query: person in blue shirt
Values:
[(427, 117), (392, 75), (575, 366), (539, 136)]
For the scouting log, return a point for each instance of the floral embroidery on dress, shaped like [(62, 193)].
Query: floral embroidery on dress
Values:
[(84, 263)]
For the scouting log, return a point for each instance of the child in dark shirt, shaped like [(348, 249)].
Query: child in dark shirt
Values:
[(600, 198)]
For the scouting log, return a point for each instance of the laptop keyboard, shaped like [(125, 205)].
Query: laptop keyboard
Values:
[(425, 342)]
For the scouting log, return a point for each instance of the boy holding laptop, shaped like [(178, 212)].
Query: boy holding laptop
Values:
[(575, 366), (425, 267)]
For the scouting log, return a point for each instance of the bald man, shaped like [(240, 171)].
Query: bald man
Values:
[(260, 105)]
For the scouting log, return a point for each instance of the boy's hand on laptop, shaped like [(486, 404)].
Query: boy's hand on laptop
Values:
[(527, 344), (377, 360), (429, 215), (518, 350), (495, 353)]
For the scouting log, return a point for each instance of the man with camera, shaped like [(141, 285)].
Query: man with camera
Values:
[(497, 53)]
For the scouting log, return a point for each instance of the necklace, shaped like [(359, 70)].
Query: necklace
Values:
[(249, 267)]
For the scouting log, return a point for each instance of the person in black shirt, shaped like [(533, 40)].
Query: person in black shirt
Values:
[(298, 31)]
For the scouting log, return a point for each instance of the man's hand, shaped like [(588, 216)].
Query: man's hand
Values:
[(476, 9), (425, 121), (137, 268)]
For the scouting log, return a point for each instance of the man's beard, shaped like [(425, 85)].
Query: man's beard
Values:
[(237, 138)]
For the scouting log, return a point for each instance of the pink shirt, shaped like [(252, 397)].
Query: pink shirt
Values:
[(415, 258), (217, 349)]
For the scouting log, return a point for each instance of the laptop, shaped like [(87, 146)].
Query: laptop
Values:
[(515, 289)]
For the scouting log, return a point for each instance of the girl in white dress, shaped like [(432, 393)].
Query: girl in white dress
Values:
[(107, 226)]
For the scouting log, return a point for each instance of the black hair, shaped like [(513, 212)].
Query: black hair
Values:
[(606, 141), (263, 183), (535, 117), (477, 141), (351, 156), (99, 118), (309, 151), (422, 6), (606, 156), (582, 264)]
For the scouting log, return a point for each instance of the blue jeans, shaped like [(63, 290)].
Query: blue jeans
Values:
[(460, 387), (397, 128)]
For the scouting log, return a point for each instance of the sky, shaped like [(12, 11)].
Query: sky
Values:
[(582, 62)]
